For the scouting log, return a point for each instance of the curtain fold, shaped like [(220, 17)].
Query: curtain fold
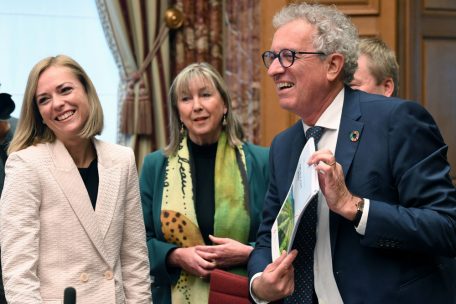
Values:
[(225, 34), (243, 62), (131, 28), (201, 36)]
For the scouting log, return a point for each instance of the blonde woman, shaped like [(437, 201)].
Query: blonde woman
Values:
[(203, 194), (70, 209)]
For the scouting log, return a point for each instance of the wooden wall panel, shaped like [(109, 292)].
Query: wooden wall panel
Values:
[(428, 62), (440, 93), (273, 118), (440, 4), (355, 7), (373, 18)]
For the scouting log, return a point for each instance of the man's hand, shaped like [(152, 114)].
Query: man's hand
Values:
[(277, 280), (332, 184)]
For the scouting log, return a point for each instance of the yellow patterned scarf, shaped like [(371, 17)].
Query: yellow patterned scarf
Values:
[(178, 217)]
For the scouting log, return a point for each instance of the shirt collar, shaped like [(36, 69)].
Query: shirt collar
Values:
[(330, 119)]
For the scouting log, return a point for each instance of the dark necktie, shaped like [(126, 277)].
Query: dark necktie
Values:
[(305, 243)]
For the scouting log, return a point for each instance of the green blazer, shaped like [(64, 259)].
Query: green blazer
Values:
[(151, 187)]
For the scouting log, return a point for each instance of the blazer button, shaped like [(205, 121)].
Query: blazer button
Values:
[(84, 277), (108, 275)]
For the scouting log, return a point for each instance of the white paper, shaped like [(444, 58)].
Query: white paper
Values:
[(303, 188)]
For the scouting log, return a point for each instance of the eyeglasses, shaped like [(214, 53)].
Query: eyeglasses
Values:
[(286, 57)]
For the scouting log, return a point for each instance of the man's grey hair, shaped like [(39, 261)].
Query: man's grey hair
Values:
[(335, 33)]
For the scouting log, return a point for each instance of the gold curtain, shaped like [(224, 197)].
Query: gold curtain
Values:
[(225, 34), (131, 27), (243, 62), (201, 36)]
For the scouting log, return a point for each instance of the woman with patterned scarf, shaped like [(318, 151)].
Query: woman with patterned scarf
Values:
[(202, 195)]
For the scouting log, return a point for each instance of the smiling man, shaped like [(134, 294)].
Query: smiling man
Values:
[(382, 230)]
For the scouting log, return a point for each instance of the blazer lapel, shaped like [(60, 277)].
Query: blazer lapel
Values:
[(350, 131), (68, 178), (110, 175), (248, 164), (298, 142)]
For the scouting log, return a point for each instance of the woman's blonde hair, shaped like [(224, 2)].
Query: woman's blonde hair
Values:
[(30, 129), (181, 83)]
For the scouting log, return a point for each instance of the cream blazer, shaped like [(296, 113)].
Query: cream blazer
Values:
[(51, 238)]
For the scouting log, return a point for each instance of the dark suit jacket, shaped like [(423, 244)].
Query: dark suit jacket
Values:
[(399, 163), (3, 148), (151, 185), (3, 156)]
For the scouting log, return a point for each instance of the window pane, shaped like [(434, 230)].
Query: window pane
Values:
[(32, 30)]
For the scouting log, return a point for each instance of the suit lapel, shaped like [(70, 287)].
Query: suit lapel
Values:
[(298, 142), (108, 189), (346, 147), (68, 178)]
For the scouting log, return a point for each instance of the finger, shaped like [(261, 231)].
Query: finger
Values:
[(328, 160), (206, 264), (325, 156), (204, 248), (327, 165), (286, 265), (280, 258), (289, 259), (218, 240), (201, 272), (208, 256), (324, 167), (323, 151), (272, 266)]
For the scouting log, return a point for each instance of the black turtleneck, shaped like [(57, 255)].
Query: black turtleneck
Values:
[(203, 167)]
